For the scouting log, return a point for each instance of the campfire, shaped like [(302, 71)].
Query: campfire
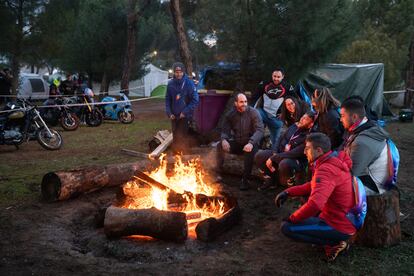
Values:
[(171, 203)]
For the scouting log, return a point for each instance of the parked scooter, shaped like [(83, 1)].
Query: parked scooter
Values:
[(60, 114), (117, 111), (24, 122)]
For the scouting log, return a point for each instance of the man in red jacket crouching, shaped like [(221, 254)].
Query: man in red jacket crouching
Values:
[(322, 219)]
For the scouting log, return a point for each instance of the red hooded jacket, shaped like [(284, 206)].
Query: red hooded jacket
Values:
[(330, 192)]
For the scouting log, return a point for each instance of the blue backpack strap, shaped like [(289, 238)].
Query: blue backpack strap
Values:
[(358, 213), (393, 163)]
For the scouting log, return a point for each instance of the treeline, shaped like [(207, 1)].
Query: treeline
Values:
[(114, 40)]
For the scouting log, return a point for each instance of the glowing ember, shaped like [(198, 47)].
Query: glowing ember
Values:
[(187, 179)]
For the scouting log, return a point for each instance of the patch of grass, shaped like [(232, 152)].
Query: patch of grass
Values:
[(21, 174)]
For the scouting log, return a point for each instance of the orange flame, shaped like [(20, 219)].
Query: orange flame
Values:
[(187, 179)]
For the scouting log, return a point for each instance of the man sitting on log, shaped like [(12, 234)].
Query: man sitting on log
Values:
[(241, 134), (288, 158), (322, 219), (366, 144)]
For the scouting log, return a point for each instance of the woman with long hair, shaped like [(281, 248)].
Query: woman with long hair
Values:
[(292, 110), (328, 120)]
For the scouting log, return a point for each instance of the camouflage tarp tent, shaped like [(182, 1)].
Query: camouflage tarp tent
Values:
[(344, 80)]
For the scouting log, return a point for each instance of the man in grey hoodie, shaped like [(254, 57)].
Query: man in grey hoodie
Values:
[(366, 145), (241, 134)]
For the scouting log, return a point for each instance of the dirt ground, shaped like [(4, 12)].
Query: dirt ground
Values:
[(39, 238)]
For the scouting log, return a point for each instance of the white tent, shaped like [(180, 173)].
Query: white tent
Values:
[(153, 78), (144, 86)]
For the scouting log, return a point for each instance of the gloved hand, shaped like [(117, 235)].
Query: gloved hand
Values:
[(281, 198)]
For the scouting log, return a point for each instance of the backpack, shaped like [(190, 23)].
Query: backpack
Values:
[(393, 164), (357, 213)]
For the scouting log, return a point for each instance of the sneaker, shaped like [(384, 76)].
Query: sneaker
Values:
[(244, 185), (291, 181), (267, 184), (332, 252)]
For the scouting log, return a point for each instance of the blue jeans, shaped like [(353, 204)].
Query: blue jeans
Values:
[(274, 124), (313, 230)]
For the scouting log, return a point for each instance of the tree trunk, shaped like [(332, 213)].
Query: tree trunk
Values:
[(62, 185), (90, 79), (179, 28), (382, 223), (409, 82), (104, 84), (248, 55), (129, 59), (164, 225), (18, 48)]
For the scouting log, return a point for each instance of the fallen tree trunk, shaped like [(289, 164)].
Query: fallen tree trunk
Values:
[(382, 223), (233, 163), (209, 229), (164, 225), (62, 185)]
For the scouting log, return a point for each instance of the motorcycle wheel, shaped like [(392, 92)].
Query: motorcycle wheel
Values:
[(50, 143), (94, 118), (69, 122), (126, 117)]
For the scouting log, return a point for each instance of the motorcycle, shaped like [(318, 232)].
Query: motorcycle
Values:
[(117, 111), (88, 113), (23, 122), (60, 114)]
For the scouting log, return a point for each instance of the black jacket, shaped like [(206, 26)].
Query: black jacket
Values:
[(295, 137), (329, 123), (246, 127), (283, 89)]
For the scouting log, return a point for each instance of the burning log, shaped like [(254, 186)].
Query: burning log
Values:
[(209, 229), (164, 225), (62, 185), (150, 181)]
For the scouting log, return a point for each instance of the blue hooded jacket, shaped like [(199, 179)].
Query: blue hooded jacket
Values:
[(181, 96)]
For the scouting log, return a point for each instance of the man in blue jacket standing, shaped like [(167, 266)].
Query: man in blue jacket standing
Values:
[(180, 101)]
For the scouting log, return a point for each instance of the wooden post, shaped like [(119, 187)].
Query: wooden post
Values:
[(382, 223), (409, 81)]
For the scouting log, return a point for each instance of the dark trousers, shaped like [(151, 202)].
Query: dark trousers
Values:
[(286, 169), (313, 230), (180, 129), (237, 148)]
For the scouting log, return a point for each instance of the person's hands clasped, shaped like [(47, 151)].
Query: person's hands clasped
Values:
[(248, 147), (269, 165), (225, 145)]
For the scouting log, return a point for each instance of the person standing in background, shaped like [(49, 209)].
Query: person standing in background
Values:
[(180, 101)]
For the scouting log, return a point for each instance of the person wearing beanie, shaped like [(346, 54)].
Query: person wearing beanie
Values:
[(180, 101)]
